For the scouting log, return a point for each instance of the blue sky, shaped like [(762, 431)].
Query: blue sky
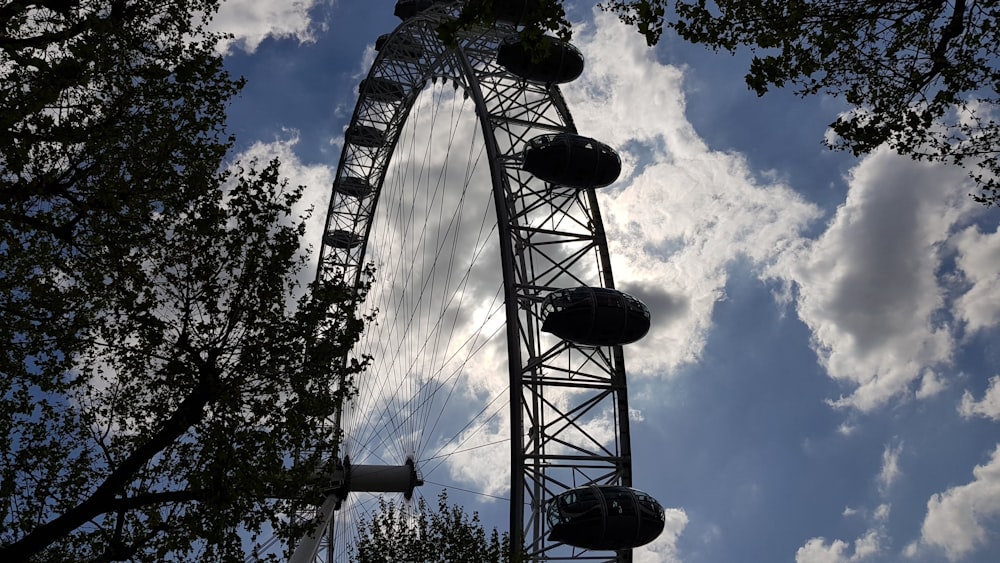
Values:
[(821, 381)]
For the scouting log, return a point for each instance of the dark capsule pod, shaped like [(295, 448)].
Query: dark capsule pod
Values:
[(571, 160), (402, 48), (365, 136), (594, 316), (548, 60), (406, 9), (381, 89), (604, 518), (342, 239), (353, 186)]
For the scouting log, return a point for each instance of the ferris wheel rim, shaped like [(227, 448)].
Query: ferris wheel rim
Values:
[(463, 67)]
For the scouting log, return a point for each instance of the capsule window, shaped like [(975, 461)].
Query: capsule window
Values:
[(403, 47), (382, 89), (353, 186), (365, 136), (342, 239)]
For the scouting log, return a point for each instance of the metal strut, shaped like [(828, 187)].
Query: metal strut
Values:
[(347, 478)]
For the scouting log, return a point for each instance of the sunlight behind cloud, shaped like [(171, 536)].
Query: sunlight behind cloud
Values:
[(686, 214), (869, 288)]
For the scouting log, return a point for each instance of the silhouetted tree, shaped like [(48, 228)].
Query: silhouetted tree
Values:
[(158, 372), (395, 533)]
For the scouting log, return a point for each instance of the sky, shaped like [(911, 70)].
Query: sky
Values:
[(820, 382)]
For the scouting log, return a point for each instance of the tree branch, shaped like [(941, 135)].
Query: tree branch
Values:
[(154, 498), (939, 59), (122, 552), (188, 413)]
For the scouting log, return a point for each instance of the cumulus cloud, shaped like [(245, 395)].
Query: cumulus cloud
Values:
[(871, 543), (664, 548), (930, 384), (978, 256), (250, 22), (817, 550), (882, 512), (868, 288), (956, 520), (987, 407), (681, 214)]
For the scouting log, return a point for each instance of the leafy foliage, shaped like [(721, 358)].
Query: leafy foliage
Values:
[(536, 16), (157, 373), (922, 77), (177, 420), (445, 535)]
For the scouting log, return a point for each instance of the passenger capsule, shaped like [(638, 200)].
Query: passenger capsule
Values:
[(551, 60), (402, 48), (406, 9), (381, 89), (594, 316), (365, 136), (353, 186), (571, 160), (342, 239), (604, 517)]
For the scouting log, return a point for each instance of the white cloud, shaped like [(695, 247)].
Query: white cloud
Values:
[(955, 518), (882, 512), (681, 214), (930, 385), (880, 515), (817, 550), (869, 544), (868, 288), (252, 21), (978, 256), (846, 429), (987, 407), (890, 468), (625, 95), (664, 548)]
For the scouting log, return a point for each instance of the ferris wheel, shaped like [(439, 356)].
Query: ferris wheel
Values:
[(497, 337)]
